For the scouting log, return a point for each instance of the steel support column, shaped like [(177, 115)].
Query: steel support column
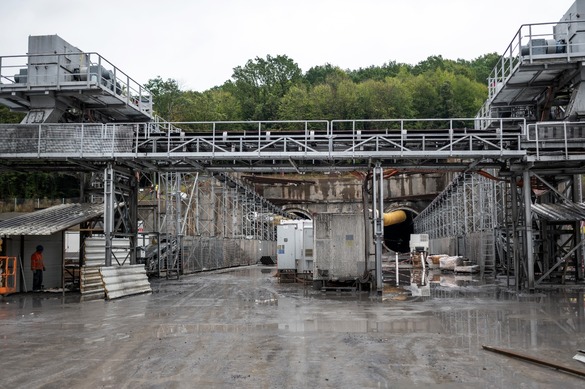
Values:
[(378, 206), (578, 237), (528, 238), (515, 230), (109, 206)]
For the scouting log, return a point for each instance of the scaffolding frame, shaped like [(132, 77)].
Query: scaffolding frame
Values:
[(503, 225), (204, 214)]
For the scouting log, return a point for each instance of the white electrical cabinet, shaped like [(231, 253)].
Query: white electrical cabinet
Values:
[(419, 242), (294, 250)]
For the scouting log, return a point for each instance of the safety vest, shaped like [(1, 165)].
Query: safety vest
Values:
[(36, 261)]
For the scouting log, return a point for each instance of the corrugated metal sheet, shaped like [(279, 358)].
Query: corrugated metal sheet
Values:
[(51, 220), (124, 281), (94, 250), (560, 212), (91, 281)]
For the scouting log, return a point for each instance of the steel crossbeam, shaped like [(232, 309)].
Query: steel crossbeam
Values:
[(288, 146), (129, 142)]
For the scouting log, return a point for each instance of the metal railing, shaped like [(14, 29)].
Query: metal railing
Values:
[(339, 139), (60, 141), (563, 137), (533, 42)]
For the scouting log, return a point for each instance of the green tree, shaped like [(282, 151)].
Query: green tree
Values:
[(483, 66), (321, 97), (7, 116), (378, 73), (211, 105), (33, 185), (167, 98), (297, 103), (387, 99), (469, 96), (424, 96), (320, 74), (261, 83), (437, 62)]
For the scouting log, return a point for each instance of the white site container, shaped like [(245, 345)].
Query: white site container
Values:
[(294, 250)]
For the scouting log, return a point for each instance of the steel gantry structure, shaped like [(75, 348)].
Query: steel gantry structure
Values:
[(516, 203), (507, 150)]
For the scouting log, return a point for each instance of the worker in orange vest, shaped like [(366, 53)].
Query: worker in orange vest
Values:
[(38, 267)]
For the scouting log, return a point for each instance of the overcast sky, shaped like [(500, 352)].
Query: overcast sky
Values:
[(199, 42)]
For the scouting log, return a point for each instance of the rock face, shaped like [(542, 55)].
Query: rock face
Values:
[(343, 192), (310, 195)]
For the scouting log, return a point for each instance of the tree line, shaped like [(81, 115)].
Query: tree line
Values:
[(275, 88)]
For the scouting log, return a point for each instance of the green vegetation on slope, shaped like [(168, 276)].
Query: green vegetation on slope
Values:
[(275, 88)]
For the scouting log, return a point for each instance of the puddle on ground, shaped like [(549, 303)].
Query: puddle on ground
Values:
[(469, 310)]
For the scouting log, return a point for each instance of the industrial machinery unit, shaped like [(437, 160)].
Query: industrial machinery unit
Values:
[(294, 250), (343, 247), (341, 242), (538, 78), (419, 243), (56, 82)]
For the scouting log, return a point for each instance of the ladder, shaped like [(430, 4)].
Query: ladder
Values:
[(488, 251)]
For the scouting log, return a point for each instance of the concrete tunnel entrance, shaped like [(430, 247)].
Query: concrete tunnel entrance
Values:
[(397, 236)]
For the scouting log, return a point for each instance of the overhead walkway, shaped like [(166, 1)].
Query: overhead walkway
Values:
[(292, 146), (271, 146)]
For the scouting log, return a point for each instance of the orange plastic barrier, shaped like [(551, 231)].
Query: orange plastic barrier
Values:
[(7, 275)]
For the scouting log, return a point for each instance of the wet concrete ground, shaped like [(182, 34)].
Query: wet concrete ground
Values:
[(241, 328)]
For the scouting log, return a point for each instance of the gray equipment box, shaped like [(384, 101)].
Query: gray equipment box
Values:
[(340, 240), (52, 60)]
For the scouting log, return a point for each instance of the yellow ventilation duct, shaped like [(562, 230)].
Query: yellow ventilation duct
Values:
[(395, 217)]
